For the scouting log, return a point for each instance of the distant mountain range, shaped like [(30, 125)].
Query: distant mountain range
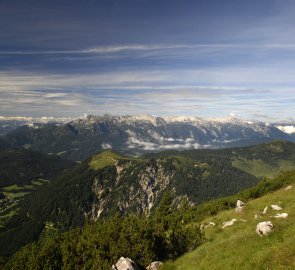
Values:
[(141, 134)]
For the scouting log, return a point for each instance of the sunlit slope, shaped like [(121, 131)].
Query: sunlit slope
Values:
[(266, 159), (239, 247), (103, 159)]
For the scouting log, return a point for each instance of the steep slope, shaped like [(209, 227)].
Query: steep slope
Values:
[(20, 167), (239, 246), (141, 134), (168, 234), (108, 183), (21, 172)]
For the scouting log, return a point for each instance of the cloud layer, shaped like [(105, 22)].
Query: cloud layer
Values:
[(193, 58)]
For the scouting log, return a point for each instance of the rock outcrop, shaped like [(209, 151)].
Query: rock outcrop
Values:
[(240, 207), (281, 215), (289, 187), (276, 207), (125, 264), (264, 228), (264, 210), (229, 223), (154, 265)]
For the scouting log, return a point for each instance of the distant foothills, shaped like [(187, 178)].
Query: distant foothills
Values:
[(135, 135)]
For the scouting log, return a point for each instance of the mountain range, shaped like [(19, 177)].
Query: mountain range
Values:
[(137, 135)]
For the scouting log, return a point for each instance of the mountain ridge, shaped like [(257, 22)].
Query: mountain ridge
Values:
[(137, 135)]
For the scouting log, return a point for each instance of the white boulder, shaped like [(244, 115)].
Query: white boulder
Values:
[(154, 265), (276, 207), (204, 226), (281, 215), (289, 187), (264, 228), (264, 210), (229, 223), (240, 203), (125, 264)]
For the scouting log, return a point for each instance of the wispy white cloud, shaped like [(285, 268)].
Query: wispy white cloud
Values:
[(30, 119), (155, 47), (120, 92)]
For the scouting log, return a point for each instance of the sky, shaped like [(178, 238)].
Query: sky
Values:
[(206, 58)]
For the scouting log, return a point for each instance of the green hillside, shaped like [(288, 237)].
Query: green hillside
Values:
[(108, 183), (263, 160), (166, 235), (21, 172), (266, 160), (105, 158), (238, 246)]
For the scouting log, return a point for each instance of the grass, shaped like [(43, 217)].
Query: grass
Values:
[(61, 153), (33, 185), (105, 158), (239, 247), (5, 217), (39, 182), (259, 168), (12, 188), (14, 193)]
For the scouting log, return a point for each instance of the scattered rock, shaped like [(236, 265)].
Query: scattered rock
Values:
[(257, 216), (229, 223), (154, 265), (264, 228), (289, 187), (125, 264), (240, 203), (240, 206), (282, 215), (209, 224), (204, 226), (276, 207), (264, 210)]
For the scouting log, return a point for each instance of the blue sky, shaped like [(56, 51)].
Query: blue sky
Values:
[(207, 58)]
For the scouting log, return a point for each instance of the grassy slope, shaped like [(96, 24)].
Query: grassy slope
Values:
[(266, 159), (12, 195), (239, 247), (105, 158), (260, 168)]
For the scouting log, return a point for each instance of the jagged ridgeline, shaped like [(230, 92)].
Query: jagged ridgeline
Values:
[(109, 183), (139, 135)]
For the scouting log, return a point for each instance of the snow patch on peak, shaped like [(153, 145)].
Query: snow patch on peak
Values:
[(171, 119), (106, 146), (143, 118), (287, 129)]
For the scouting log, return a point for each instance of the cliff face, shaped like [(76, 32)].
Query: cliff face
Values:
[(135, 188), (138, 185)]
